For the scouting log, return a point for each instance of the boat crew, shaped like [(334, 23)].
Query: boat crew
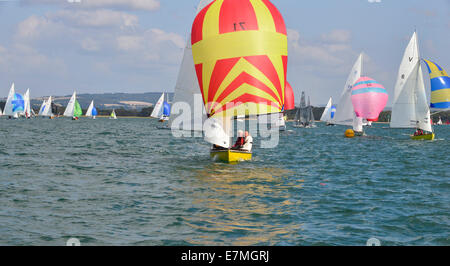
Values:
[(248, 142)]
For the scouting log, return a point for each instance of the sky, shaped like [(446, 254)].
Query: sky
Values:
[(104, 46)]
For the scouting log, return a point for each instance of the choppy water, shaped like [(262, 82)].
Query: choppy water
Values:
[(123, 182)]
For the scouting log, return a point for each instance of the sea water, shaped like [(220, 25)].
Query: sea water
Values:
[(125, 182)]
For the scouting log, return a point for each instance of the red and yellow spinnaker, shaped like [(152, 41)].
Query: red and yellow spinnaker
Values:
[(240, 55)]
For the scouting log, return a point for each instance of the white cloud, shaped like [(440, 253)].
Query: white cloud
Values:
[(320, 64), (339, 36), (107, 47)]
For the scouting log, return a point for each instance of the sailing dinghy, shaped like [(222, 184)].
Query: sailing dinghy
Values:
[(15, 104), (240, 56), (345, 114), (91, 111), (113, 115), (410, 109), (73, 108), (161, 110)]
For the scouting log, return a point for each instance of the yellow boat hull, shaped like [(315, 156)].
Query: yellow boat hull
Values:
[(424, 137), (231, 156)]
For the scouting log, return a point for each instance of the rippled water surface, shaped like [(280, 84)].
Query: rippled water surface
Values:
[(125, 182)]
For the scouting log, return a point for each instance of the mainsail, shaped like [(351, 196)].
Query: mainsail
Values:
[(158, 109), (410, 109), (187, 88), (240, 55), (47, 111), (345, 114), (440, 86), (89, 110)]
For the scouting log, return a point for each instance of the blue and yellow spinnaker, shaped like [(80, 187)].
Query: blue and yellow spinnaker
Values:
[(440, 86)]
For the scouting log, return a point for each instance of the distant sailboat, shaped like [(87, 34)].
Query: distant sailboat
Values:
[(91, 111), (345, 113), (304, 118), (46, 108), (73, 108), (161, 109), (411, 109), (310, 119), (328, 113), (15, 104), (113, 115), (27, 107)]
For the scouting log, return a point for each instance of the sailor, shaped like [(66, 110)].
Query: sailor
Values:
[(240, 141), (248, 142)]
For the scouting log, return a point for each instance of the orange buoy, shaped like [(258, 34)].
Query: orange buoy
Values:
[(349, 133)]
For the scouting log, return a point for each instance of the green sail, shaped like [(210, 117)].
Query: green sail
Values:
[(77, 112)]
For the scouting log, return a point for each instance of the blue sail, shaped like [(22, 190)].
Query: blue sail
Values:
[(333, 111), (18, 103), (166, 111), (94, 111)]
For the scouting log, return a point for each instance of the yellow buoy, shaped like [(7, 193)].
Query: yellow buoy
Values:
[(349, 133)]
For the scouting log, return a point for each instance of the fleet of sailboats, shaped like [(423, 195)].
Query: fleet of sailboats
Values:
[(235, 71)]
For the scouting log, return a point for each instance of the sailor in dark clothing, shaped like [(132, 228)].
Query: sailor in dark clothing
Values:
[(240, 141)]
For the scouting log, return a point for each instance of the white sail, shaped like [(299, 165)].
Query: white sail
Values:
[(217, 131), (27, 104), (326, 116), (48, 107), (187, 88), (345, 112), (410, 108), (158, 110), (70, 106), (8, 110), (89, 110)]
